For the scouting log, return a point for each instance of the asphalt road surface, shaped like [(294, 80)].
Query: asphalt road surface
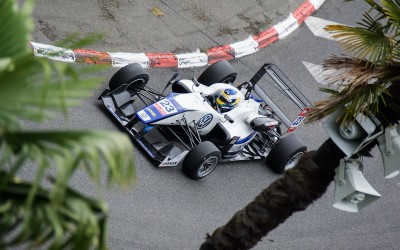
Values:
[(166, 210)]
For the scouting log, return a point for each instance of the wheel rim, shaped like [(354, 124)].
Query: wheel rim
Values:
[(229, 79), (136, 85), (207, 166), (294, 160)]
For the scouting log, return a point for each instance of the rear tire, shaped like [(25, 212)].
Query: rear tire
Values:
[(201, 160), (286, 154), (219, 72), (133, 75)]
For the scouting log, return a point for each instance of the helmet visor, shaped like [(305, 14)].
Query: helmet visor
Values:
[(222, 101)]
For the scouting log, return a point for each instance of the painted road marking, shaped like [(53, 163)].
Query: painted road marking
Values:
[(317, 25), (317, 71), (320, 74)]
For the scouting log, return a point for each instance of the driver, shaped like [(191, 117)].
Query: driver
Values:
[(226, 100)]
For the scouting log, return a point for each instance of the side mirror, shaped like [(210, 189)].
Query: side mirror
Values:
[(228, 118), (171, 81), (195, 81), (173, 78)]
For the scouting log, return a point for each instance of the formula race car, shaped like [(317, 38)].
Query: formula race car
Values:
[(207, 120)]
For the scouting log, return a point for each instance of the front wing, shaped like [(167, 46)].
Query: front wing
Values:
[(164, 152)]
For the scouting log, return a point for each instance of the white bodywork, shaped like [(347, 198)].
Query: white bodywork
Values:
[(197, 107)]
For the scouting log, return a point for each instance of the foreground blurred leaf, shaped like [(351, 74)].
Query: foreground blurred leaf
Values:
[(72, 149), (78, 221), (33, 88)]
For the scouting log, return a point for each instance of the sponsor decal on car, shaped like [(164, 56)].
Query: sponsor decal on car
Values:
[(204, 121), (165, 107), (151, 112), (148, 128), (143, 115), (160, 110), (168, 162), (299, 119)]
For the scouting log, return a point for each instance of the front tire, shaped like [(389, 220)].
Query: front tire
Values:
[(286, 154), (201, 160), (133, 75), (219, 72)]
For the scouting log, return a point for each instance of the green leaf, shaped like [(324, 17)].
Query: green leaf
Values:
[(391, 9), (365, 77), (25, 96), (75, 41), (5, 63), (71, 149), (34, 88), (79, 219), (15, 28), (369, 41)]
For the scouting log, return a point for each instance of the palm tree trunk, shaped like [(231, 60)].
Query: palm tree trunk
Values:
[(295, 190), (292, 192)]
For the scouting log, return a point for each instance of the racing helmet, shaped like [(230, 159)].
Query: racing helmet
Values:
[(227, 99)]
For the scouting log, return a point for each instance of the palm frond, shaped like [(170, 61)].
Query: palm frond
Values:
[(32, 88), (15, 29), (77, 221), (369, 41), (376, 7), (392, 11), (381, 15), (360, 100), (58, 217), (363, 80), (73, 149), (76, 41), (344, 69), (364, 88), (34, 94)]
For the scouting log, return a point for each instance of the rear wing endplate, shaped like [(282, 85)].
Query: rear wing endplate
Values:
[(288, 88)]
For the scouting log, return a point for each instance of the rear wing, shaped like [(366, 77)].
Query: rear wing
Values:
[(288, 88)]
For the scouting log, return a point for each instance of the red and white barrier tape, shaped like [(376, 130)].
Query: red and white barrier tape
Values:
[(188, 60)]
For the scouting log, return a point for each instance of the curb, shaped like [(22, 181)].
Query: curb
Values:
[(239, 49)]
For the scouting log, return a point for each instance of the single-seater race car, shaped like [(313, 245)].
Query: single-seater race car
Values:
[(207, 120)]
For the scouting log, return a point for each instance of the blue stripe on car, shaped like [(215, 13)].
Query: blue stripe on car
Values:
[(240, 141), (154, 114)]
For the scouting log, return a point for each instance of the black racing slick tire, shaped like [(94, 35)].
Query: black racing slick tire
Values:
[(219, 72), (286, 154), (133, 75), (201, 160)]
